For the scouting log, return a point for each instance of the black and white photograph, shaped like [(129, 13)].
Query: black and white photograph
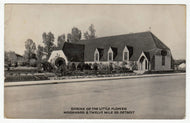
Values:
[(95, 61)]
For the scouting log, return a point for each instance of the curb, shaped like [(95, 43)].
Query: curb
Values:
[(29, 83)]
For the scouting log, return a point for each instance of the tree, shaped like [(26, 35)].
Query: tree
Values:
[(91, 34), (69, 37), (60, 40), (30, 49), (7, 59), (48, 40), (10, 57), (39, 53), (86, 35), (75, 34)]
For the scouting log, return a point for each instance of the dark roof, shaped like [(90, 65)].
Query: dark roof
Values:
[(114, 49), (158, 43), (136, 42), (17, 55), (147, 54), (74, 52), (130, 51), (101, 52)]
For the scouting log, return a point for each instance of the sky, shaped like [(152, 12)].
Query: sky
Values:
[(29, 21)]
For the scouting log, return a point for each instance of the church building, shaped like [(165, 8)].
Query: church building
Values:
[(143, 49)]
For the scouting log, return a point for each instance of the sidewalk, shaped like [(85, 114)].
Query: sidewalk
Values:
[(27, 83)]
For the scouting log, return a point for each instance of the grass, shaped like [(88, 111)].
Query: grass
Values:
[(26, 78), (17, 71)]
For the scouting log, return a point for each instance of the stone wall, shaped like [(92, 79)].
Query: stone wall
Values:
[(158, 63)]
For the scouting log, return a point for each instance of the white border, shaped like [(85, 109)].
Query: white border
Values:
[(99, 1), (3, 2)]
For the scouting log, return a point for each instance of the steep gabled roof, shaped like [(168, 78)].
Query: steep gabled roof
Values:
[(18, 55), (143, 41), (74, 52), (158, 43)]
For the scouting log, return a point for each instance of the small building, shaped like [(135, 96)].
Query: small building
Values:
[(182, 67), (20, 60), (14, 59), (142, 49)]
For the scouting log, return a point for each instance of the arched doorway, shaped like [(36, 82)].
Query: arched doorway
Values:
[(143, 64), (60, 61)]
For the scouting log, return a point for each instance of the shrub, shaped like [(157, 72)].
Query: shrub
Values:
[(89, 72), (125, 69), (87, 67), (118, 69), (13, 64), (33, 63), (95, 66), (124, 64), (16, 64), (103, 68), (46, 66), (73, 67), (90, 65), (100, 66), (80, 66), (21, 64), (134, 66), (61, 70), (111, 67)]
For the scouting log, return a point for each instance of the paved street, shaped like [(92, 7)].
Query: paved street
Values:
[(153, 97)]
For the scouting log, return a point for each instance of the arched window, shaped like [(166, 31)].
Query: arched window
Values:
[(96, 57), (146, 64), (163, 53), (163, 60), (125, 56), (110, 56)]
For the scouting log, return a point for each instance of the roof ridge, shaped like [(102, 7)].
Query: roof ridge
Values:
[(117, 35), (158, 40), (153, 39), (73, 43)]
